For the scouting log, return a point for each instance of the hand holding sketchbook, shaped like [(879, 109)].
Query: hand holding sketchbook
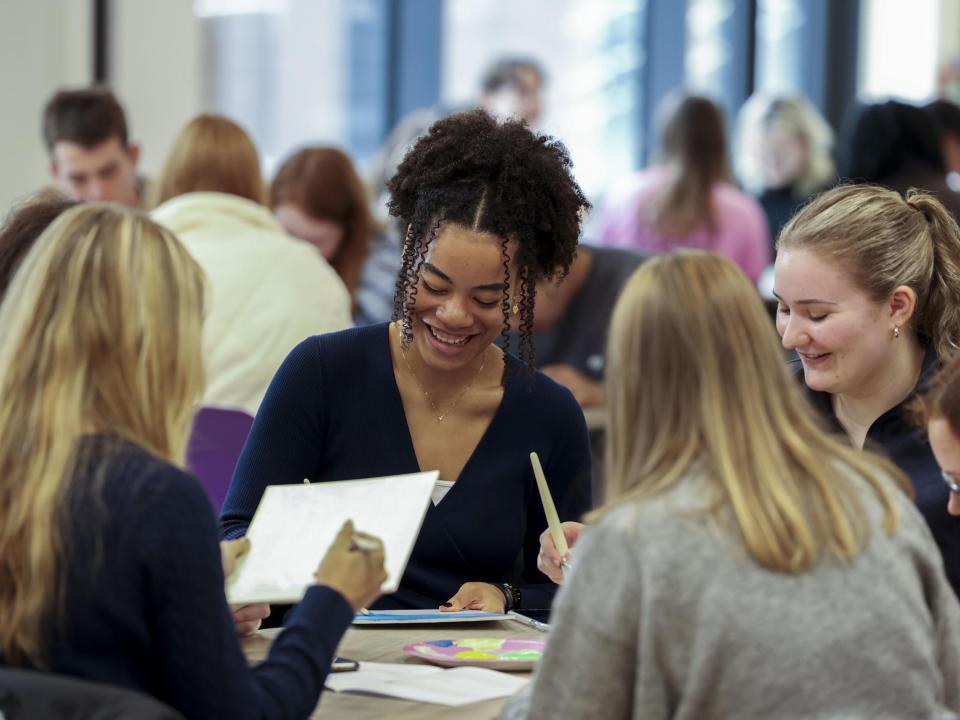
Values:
[(295, 524)]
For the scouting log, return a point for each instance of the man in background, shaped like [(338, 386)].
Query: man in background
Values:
[(91, 158), (513, 88)]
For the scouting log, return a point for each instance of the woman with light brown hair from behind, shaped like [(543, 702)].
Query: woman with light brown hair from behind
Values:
[(268, 290), (746, 564), (317, 196), (110, 569)]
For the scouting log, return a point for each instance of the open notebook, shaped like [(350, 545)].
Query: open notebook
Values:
[(295, 524)]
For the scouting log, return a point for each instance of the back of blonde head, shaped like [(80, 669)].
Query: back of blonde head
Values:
[(883, 241), (101, 328), (212, 154), (695, 375)]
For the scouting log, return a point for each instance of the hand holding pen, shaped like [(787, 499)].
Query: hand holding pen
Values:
[(550, 562)]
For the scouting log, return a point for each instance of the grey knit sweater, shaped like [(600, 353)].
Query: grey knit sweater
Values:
[(666, 616)]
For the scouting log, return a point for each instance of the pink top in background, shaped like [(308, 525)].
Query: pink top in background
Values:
[(742, 233)]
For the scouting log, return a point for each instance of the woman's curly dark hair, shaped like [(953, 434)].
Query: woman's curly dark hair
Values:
[(494, 177)]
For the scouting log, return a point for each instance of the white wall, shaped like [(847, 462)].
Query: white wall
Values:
[(44, 45), (155, 68)]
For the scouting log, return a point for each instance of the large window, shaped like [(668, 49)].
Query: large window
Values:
[(592, 53)]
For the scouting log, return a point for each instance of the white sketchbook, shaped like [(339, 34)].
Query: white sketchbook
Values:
[(295, 525)]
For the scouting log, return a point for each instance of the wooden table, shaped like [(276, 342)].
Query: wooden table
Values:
[(385, 644)]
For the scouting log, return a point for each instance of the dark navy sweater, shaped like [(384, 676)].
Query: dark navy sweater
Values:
[(145, 606), (896, 435), (333, 412)]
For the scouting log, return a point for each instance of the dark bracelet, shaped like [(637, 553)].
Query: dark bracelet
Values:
[(511, 595)]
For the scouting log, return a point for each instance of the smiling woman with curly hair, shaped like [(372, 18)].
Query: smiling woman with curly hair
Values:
[(489, 208)]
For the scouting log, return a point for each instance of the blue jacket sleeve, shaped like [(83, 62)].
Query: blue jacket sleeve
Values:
[(285, 441), (568, 473), (200, 668)]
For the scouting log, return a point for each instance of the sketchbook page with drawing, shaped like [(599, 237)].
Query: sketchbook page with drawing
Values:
[(295, 524)]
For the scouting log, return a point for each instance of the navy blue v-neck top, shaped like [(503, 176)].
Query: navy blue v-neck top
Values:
[(333, 412), (896, 435)]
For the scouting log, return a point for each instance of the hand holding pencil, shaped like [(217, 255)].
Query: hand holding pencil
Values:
[(556, 540)]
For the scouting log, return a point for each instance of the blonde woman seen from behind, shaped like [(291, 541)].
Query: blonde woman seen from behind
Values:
[(746, 564), (268, 290), (110, 569)]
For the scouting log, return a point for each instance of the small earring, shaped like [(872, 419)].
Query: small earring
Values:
[(896, 331), (515, 309)]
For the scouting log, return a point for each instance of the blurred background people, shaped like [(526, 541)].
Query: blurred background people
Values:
[(687, 199), (91, 157), (940, 412), (21, 228), (318, 197), (570, 325), (784, 154), (947, 117), (512, 87), (268, 290), (895, 145)]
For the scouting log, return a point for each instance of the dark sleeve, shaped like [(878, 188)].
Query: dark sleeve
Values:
[(568, 475), (285, 440), (200, 668)]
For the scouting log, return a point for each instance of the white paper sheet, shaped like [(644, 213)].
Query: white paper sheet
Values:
[(426, 683), (295, 524)]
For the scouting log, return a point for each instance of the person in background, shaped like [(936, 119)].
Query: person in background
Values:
[(109, 564), (946, 115), (268, 290), (746, 564), (512, 87), (91, 156), (490, 208), (570, 325), (868, 289), (898, 146), (939, 410), (687, 199), (21, 228), (784, 154), (317, 196)]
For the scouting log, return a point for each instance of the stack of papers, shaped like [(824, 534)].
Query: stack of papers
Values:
[(428, 684)]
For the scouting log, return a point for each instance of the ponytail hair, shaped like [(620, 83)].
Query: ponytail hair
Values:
[(882, 241), (939, 317)]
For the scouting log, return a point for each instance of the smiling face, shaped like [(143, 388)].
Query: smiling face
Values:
[(458, 314), (843, 338)]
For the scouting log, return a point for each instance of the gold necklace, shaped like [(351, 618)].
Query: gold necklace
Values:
[(441, 416)]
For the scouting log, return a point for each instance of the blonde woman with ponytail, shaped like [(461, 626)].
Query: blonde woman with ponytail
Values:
[(746, 564), (110, 568), (868, 284)]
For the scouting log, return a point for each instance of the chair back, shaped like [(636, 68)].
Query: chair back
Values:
[(29, 694), (215, 445)]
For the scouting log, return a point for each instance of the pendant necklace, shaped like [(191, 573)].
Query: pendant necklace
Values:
[(433, 405)]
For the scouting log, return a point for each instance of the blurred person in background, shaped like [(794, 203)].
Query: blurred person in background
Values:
[(939, 410), (947, 117), (512, 88), (687, 199), (23, 225), (268, 290), (91, 157), (317, 196), (895, 145), (570, 324), (783, 154)]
